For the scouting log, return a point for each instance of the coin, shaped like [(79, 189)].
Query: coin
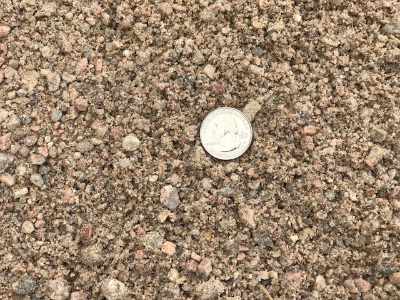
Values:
[(226, 133)]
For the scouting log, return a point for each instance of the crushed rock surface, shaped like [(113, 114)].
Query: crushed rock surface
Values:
[(100, 106)]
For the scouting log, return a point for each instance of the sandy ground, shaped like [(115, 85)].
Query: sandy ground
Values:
[(106, 192)]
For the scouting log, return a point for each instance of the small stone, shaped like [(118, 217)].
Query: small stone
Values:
[(99, 128), (310, 130), (153, 240), (58, 289), (48, 9), (195, 256), (169, 197), (84, 146), (395, 278), (7, 179), (13, 122), (26, 285), (209, 70), (211, 289), (256, 70), (130, 142), (391, 28), (30, 140), (173, 275), (21, 192), (294, 278), (81, 66), (27, 227), (251, 109), (92, 255), (37, 180), (362, 285), (38, 159), (3, 115), (247, 216), (56, 115), (375, 155), (164, 215), (53, 79), (320, 283), (258, 23), (205, 267), (78, 296), (46, 51), (168, 248), (113, 289), (266, 275), (5, 161), (81, 104), (191, 266), (30, 80), (166, 8), (4, 30), (86, 233), (350, 285), (378, 135)]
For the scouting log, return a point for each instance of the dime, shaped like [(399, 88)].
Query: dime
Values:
[(226, 133)]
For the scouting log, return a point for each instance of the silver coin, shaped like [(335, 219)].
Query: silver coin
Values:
[(226, 133)]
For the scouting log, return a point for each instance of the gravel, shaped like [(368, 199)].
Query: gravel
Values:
[(103, 101)]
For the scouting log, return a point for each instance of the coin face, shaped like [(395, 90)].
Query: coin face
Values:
[(226, 133)]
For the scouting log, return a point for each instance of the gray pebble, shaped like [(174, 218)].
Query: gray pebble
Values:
[(24, 286), (5, 161), (169, 197), (378, 135), (56, 115)]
